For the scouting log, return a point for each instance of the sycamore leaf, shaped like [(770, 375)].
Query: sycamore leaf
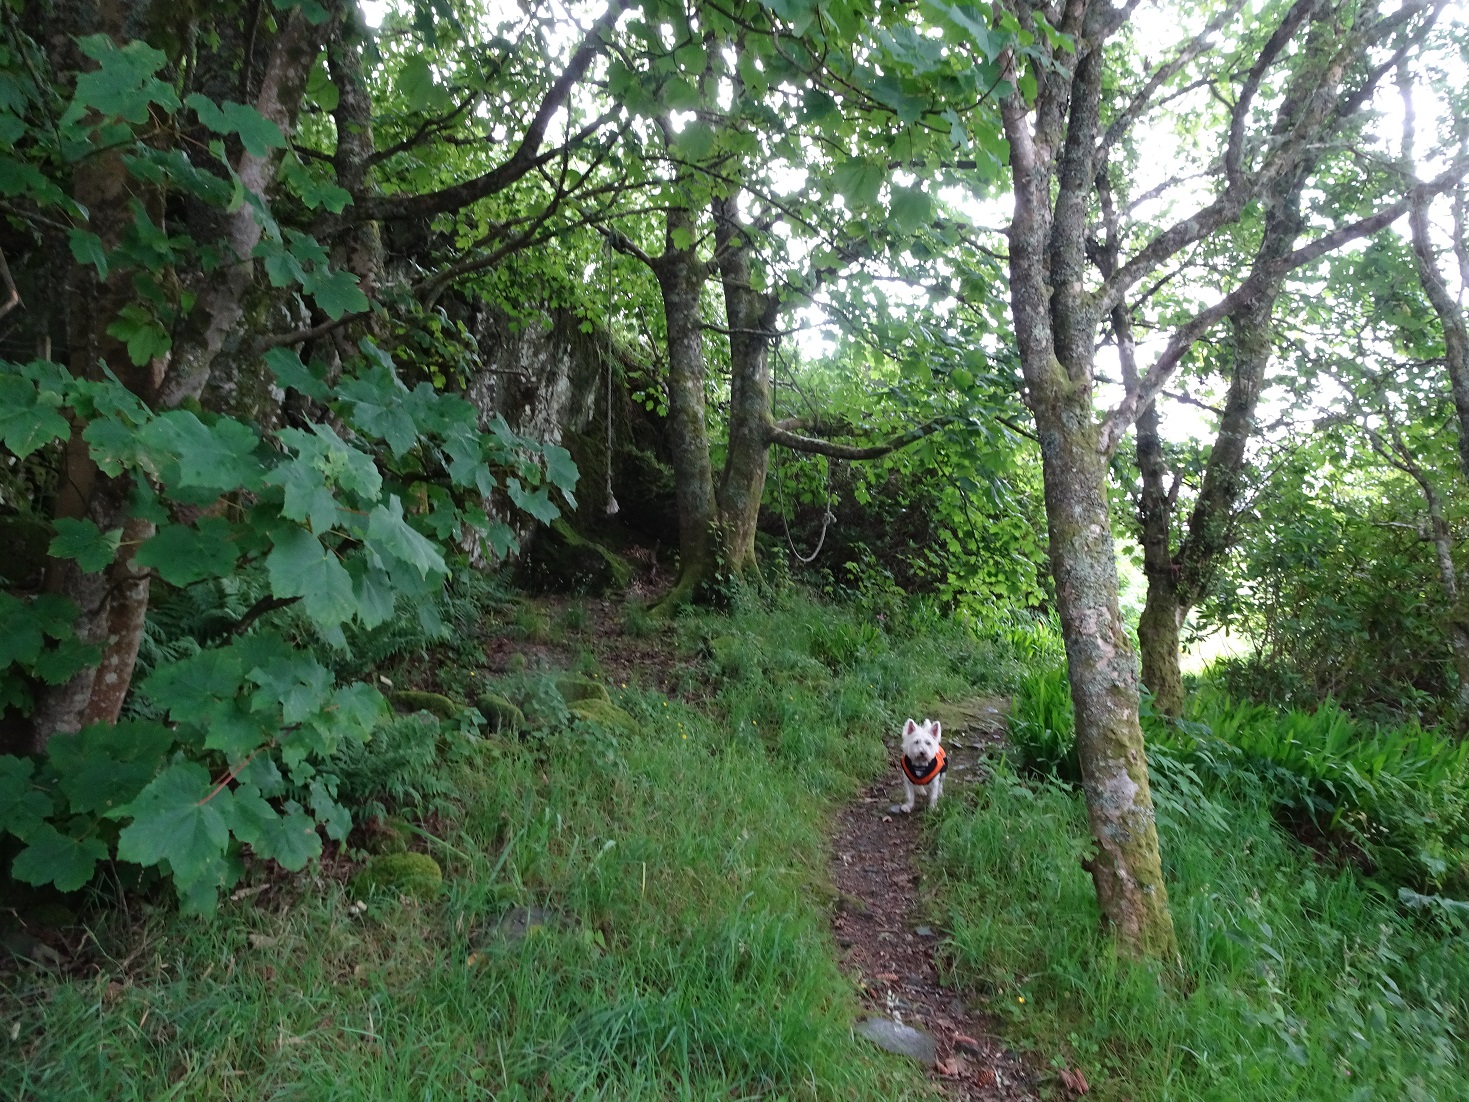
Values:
[(290, 840), (98, 782), (124, 85), (299, 566), (55, 858), (87, 248), (910, 208), (561, 468), (219, 456), (190, 687), (81, 540), (389, 533), (173, 823), (22, 807), (184, 554), (56, 665), (535, 502), (27, 419), (299, 683), (336, 292), (285, 364), (234, 729), (858, 181)]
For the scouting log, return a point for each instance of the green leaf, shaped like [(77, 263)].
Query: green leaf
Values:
[(81, 540), (561, 468), (54, 858), (290, 840), (145, 335), (172, 823), (390, 534), (97, 782), (184, 554), (219, 456), (28, 420), (417, 85), (257, 133), (191, 687), (285, 364), (299, 566), (299, 683), (910, 208), (858, 181), (335, 818), (336, 292), (87, 248), (124, 85), (537, 502), (234, 729), (56, 665), (22, 807)]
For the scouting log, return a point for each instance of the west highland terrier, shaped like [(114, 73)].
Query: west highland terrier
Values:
[(924, 762)]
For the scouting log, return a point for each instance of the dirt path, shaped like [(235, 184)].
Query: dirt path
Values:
[(888, 941)]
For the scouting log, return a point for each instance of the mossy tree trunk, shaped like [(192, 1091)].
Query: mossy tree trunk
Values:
[(1055, 331), (681, 276), (751, 316)]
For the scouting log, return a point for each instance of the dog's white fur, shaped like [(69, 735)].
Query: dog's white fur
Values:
[(920, 746)]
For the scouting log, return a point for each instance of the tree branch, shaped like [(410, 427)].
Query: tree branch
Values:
[(811, 445)]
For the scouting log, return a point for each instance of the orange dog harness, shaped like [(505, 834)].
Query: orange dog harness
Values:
[(939, 765)]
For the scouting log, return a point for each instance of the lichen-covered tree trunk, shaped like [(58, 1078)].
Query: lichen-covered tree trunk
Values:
[(681, 276), (1055, 331), (751, 317)]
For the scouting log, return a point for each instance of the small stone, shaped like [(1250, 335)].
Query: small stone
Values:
[(924, 931), (905, 1040), (850, 904), (516, 924)]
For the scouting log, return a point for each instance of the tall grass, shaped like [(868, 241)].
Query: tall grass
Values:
[(1298, 981), (686, 955)]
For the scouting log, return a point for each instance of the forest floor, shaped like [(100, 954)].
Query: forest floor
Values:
[(877, 865)]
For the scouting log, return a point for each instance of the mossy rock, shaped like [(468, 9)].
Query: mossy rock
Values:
[(500, 715), (386, 836), (410, 700), (560, 559), (607, 716), (412, 874), (575, 688)]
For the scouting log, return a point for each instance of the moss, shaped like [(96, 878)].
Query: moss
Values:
[(575, 688), (385, 836), (412, 874), (607, 716), (500, 714), (562, 559), (409, 700)]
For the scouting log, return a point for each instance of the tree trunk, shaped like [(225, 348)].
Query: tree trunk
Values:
[(751, 317), (1055, 332), (112, 604), (681, 275)]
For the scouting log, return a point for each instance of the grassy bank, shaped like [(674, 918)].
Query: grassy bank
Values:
[(1301, 978), (681, 874)]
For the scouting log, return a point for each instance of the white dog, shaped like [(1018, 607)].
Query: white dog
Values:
[(924, 762)]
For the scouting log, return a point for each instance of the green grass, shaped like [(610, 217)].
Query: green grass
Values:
[(1299, 979), (688, 867)]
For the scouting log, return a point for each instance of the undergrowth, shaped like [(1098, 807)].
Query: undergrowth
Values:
[(1300, 977), (679, 875)]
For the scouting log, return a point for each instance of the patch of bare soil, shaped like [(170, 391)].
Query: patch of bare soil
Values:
[(878, 859)]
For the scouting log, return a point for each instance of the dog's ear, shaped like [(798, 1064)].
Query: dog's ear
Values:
[(938, 731), (909, 728)]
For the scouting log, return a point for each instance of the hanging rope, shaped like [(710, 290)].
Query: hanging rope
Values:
[(612, 506), (829, 517)]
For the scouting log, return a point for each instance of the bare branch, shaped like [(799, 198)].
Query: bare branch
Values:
[(814, 446)]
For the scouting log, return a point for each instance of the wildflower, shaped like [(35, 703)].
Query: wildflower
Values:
[(1021, 999)]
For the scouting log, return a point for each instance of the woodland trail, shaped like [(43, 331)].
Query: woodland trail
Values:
[(888, 941)]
